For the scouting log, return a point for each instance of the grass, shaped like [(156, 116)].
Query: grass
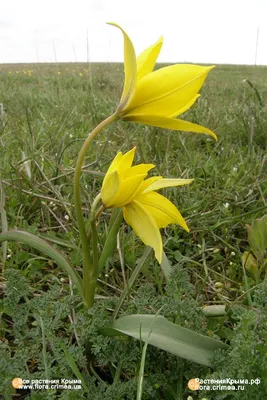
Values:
[(48, 111)]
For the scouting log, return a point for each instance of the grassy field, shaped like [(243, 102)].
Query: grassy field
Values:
[(47, 113)]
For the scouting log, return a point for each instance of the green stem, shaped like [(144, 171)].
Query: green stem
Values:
[(93, 207), (247, 285), (180, 376), (87, 266)]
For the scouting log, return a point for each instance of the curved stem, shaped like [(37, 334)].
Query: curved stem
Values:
[(87, 266)]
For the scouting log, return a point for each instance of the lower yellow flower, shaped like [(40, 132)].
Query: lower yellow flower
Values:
[(145, 210)]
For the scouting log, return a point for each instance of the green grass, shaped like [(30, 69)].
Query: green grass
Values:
[(49, 111)]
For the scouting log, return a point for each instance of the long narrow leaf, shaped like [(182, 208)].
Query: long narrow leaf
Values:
[(44, 247), (56, 240), (3, 221), (167, 336), (74, 366), (166, 266), (142, 365)]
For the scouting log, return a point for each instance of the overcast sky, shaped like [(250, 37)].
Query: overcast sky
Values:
[(204, 31)]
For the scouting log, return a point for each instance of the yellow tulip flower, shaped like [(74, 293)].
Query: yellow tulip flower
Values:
[(157, 97), (145, 210)]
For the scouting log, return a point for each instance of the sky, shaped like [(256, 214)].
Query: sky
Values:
[(198, 31)]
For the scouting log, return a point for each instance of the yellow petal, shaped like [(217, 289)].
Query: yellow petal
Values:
[(110, 187), (127, 190), (171, 123), (167, 90), (122, 162), (161, 209), (138, 170), (114, 163), (147, 59), (127, 158), (144, 226), (185, 108), (164, 183), (147, 183), (130, 69)]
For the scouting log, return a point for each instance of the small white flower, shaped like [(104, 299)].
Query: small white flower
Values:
[(232, 253), (66, 217), (226, 205), (234, 169), (71, 135)]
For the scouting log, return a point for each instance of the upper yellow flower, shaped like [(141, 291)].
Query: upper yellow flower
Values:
[(145, 210), (157, 97)]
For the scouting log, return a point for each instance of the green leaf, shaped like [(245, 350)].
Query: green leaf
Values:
[(110, 242), (257, 237), (60, 242), (167, 336), (73, 366), (142, 365), (3, 221), (44, 247), (250, 263), (166, 266)]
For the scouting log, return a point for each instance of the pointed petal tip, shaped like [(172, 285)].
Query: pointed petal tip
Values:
[(210, 67), (184, 226), (158, 257), (187, 229), (113, 23), (188, 181), (129, 69), (132, 151), (214, 136), (208, 132)]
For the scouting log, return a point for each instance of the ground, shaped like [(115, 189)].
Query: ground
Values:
[(47, 111)]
